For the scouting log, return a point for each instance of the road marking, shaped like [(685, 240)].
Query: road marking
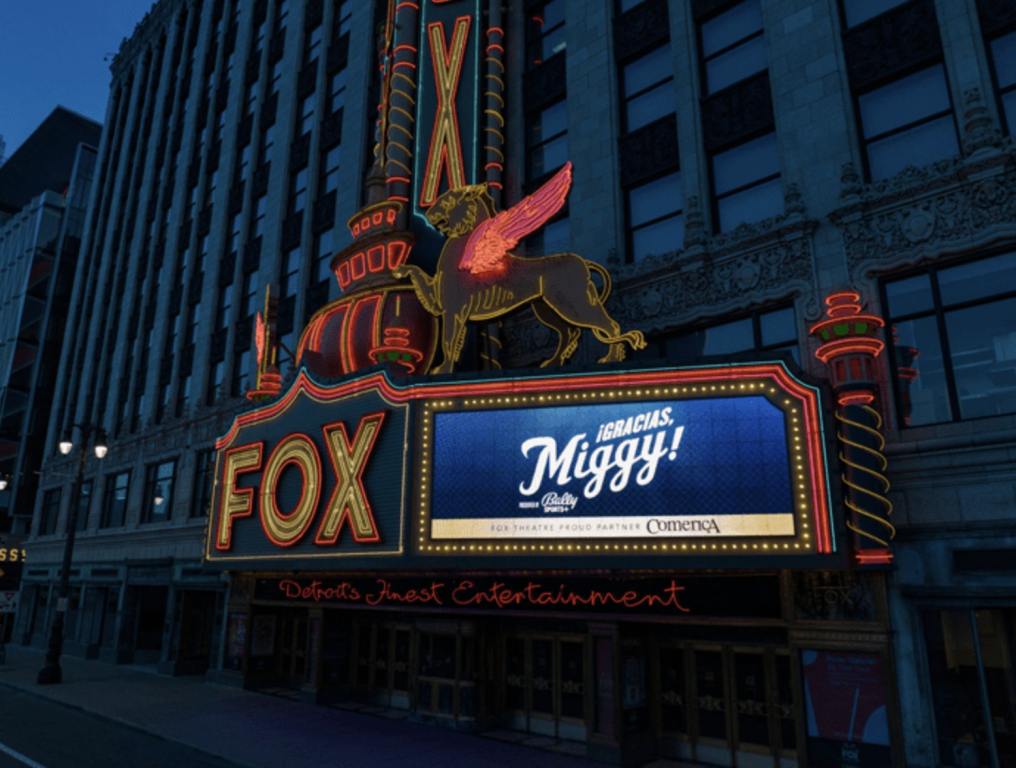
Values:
[(24, 759)]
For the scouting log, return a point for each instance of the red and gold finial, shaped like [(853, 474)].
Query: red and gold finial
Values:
[(849, 344)]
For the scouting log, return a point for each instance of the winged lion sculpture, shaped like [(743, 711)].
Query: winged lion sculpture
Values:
[(478, 278)]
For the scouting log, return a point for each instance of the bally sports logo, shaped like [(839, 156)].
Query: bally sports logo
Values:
[(623, 449)]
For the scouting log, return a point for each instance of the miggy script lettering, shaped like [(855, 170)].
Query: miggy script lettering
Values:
[(609, 464)]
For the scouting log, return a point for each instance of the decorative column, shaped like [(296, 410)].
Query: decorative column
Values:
[(398, 99), (494, 103), (849, 346)]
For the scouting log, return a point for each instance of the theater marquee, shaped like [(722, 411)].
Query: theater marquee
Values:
[(727, 460)]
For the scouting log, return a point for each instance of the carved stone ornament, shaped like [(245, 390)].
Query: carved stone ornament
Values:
[(953, 206)]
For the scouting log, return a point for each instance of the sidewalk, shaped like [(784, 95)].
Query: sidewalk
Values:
[(254, 729)]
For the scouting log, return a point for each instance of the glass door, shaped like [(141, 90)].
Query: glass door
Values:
[(725, 705), (293, 649), (544, 685)]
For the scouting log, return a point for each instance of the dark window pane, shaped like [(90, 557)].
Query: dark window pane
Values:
[(978, 279), (753, 204), (737, 64), (672, 694), (553, 14), (662, 237), (752, 699), (543, 676), (858, 11), (549, 156), (904, 101), (553, 42), (553, 238), (785, 688), (982, 343), (729, 337), (1003, 51), (548, 123), (647, 70), (917, 146), (908, 296), (746, 163), (1009, 104), (778, 327), (736, 24), (923, 394), (629, 4), (711, 690), (952, 662), (655, 199), (649, 106)]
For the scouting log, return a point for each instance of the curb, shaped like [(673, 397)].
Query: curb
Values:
[(117, 721)]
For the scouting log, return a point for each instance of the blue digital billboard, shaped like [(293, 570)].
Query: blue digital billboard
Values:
[(709, 467)]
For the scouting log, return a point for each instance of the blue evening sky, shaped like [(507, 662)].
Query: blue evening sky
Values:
[(52, 53)]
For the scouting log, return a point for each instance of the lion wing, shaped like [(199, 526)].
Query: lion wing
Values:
[(490, 242)]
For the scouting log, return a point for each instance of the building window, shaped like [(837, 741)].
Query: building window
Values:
[(215, 381), (627, 5), (276, 78), (241, 371), (158, 500), (204, 476), (244, 163), (548, 140), (84, 504), (225, 304), (252, 96), (260, 211), (907, 122), (733, 46), (548, 32), (298, 191), (970, 663), (290, 279), (330, 170), (656, 217), (552, 238), (307, 114), (1003, 58), (250, 292), (344, 13), (770, 331), (114, 500), (746, 182), (313, 45), (323, 256), (234, 236), (953, 349), (267, 142), (859, 11), (648, 88), (337, 90), (49, 513)]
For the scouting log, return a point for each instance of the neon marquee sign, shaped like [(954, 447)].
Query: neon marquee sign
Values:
[(656, 464)]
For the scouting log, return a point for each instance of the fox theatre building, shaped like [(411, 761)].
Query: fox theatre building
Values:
[(624, 563), (633, 563)]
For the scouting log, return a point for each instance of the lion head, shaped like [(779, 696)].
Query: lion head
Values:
[(456, 212)]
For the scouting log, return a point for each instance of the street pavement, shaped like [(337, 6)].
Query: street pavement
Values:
[(104, 714), (58, 736)]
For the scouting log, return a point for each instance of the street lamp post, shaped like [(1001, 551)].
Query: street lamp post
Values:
[(51, 672)]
